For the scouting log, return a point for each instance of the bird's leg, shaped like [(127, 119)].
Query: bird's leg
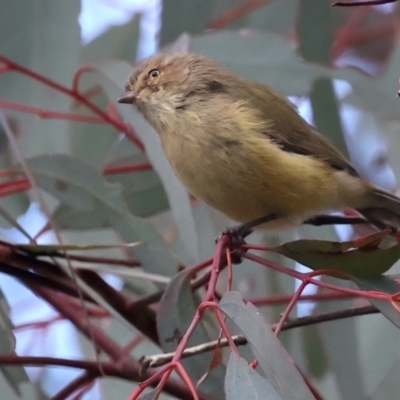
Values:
[(238, 233), (320, 220), (244, 230)]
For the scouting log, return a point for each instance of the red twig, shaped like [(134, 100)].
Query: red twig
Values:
[(121, 126), (236, 13), (208, 301), (326, 285), (22, 185), (73, 386), (345, 33), (290, 307), (14, 187), (45, 114), (123, 169), (78, 75), (4, 68)]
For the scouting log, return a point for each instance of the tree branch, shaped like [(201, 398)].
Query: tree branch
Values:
[(363, 3), (158, 360)]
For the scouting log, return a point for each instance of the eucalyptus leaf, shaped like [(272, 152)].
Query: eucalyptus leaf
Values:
[(143, 191), (151, 395), (15, 375), (117, 42), (242, 382), (81, 186), (389, 388), (270, 59), (193, 18), (275, 363), (361, 258), (385, 284)]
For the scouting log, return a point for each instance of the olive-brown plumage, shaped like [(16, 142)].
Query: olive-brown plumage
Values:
[(244, 149)]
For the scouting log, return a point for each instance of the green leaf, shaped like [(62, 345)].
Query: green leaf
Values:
[(326, 112), (81, 186), (67, 217), (389, 388), (274, 361), (177, 307), (118, 42), (270, 59), (360, 258), (243, 382), (90, 141), (264, 57), (15, 375), (315, 351), (341, 340), (315, 30), (385, 284), (151, 395), (36, 38), (143, 191), (193, 18)]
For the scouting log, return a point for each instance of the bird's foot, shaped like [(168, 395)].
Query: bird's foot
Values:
[(238, 233)]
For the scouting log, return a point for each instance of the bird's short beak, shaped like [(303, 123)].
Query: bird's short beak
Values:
[(128, 98)]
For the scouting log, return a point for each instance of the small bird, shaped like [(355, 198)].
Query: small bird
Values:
[(244, 149)]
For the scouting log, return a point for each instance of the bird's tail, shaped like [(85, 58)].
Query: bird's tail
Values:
[(383, 209)]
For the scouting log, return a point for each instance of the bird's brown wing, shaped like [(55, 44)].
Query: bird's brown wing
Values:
[(290, 131)]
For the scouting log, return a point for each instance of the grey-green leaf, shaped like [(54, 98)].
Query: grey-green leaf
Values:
[(243, 382), (274, 361)]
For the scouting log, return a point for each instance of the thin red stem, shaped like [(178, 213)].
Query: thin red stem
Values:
[(123, 169), (45, 114), (184, 375), (208, 301), (290, 307), (78, 75), (22, 185), (236, 13), (4, 68), (14, 187), (302, 277), (121, 126)]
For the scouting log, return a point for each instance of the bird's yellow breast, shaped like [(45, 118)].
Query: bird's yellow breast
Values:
[(234, 166)]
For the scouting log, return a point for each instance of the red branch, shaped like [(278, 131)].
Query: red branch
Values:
[(22, 185), (123, 169), (14, 187), (78, 75), (45, 114), (236, 13), (120, 125)]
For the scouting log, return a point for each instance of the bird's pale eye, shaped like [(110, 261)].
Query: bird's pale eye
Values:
[(153, 73)]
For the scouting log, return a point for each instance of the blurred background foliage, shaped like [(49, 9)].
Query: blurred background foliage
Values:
[(339, 65)]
